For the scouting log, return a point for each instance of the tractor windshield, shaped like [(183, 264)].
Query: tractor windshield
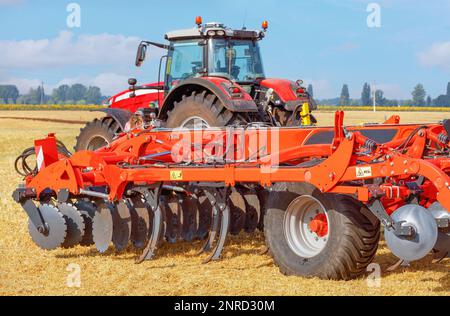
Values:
[(185, 61), (238, 60)]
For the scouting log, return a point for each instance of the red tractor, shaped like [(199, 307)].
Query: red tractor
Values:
[(213, 77)]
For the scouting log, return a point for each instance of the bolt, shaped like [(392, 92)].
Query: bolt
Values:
[(405, 162), (388, 157), (392, 164), (406, 170), (392, 172), (446, 184), (316, 238)]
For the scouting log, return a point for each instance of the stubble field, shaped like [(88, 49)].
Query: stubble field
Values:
[(177, 270)]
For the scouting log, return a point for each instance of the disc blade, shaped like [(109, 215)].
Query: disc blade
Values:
[(253, 211), (121, 225), (188, 218), (204, 214), (237, 212), (102, 226), (170, 207), (87, 210), (56, 226), (75, 224), (140, 222)]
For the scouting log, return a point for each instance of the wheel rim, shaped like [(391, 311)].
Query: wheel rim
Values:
[(306, 226), (194, 122), (97, 142)]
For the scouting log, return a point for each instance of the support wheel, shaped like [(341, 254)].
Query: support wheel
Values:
[(320, 235)]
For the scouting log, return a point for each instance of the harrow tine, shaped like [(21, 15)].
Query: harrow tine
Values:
[(220, 206), (152, 199), (213, 231)]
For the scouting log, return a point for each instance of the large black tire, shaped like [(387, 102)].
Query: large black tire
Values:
[(353, 234), (97, 134), (205, 106)]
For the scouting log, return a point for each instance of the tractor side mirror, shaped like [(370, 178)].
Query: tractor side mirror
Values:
[(141, 53)]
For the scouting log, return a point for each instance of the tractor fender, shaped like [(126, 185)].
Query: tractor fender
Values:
[(118, 115), (285, 91), (215, 85)]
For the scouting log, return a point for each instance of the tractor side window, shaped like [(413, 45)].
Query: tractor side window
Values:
[(186, 61)]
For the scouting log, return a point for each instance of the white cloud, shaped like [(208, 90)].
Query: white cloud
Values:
[(392, 91), (22, 84), (438, 55), (321, 88), (109, 83), (68, 49), (10, 2)]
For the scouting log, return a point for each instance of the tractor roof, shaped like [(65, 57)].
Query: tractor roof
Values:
[(213, 29)]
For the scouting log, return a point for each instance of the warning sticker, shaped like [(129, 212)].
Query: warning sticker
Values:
[(363, 172), (176, 175)]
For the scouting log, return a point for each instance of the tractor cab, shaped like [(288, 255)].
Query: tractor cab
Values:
[(209, 50), (214, 51)]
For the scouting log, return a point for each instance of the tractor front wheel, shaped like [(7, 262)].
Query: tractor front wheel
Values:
[(320, 235), (201, 110)]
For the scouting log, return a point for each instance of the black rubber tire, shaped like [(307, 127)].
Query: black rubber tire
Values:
[(352, 242), (203, 105), (105, 128)]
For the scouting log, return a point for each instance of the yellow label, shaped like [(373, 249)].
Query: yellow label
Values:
[(176, 175), (363, 172)]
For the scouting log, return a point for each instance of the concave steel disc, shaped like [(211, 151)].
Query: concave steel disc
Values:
[(87, 210), (121, 225), (171, 208), (253, 211), (102, 226), (56, 225), (237, 212), (188, 218), (75, 224)]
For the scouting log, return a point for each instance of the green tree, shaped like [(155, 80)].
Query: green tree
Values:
[(345, 96), (379, 98), (366, 98), (93, 95), (76, 92), (9, 92), (429, 101), (310, 90), (419, 95), (448, 89), (59, 94)]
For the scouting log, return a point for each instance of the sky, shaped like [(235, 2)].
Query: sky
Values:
[(324, 42)]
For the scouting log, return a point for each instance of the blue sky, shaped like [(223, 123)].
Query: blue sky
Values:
[(325, 42)]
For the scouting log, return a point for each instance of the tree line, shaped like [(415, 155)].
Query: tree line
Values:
[(419, 97), (64, 94)]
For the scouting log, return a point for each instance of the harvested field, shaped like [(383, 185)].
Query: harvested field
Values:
[(28, 270)]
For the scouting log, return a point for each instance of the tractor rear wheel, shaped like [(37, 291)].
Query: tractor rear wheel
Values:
[(320, 235), (97, 134), (201, 110)]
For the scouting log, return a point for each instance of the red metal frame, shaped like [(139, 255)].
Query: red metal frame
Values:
[(264, 156)]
